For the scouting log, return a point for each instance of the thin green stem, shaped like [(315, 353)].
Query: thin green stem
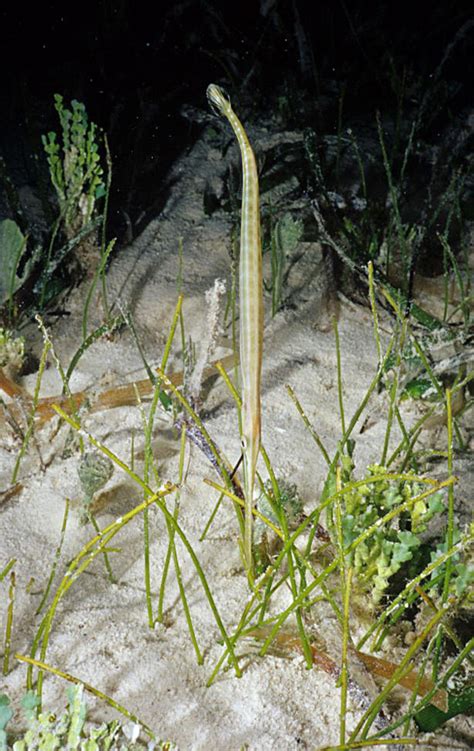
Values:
[(449, 532), (405, 665), (76, 567), (314, 435), (9, 624), (98, 274), (31, 418), (373, 307), (393, 393), (440, 683), (291, 563), (339, 378), (7, 568), (345, 580), (56, 559), (107, 565), (401, 599), (105, 251), (44, 667)]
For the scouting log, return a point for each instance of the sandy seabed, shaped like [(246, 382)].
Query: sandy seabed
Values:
[(100, 632)]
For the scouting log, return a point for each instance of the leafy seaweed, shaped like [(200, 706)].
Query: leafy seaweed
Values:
[(46, 731), (377, 558)]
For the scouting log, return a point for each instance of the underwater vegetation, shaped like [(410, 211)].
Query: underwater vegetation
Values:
[(35, 269), (46, 731), (380, 547)]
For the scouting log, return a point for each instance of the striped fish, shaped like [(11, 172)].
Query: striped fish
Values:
[(251, 310)]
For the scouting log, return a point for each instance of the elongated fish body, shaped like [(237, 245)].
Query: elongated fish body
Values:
[(251, 309)]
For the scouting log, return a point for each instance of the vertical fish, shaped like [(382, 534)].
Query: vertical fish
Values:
[(251, 310)]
